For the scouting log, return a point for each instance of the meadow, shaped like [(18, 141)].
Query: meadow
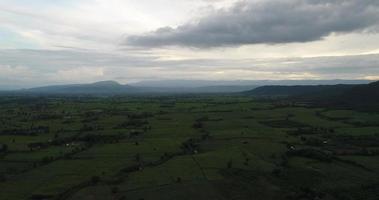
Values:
[(184, 147)]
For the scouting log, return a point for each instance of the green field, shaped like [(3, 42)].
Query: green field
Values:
[(184, 147)]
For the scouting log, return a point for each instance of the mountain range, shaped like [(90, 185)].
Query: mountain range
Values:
[(174, 86), (361, 96), (293, 88), (103, 87), (115, 88)]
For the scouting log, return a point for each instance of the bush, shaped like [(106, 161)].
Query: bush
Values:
[(2, 178), (276, 172), (3, 148), (114, 190), (229, 164), (312, 153), (95, 180), (178, 179)]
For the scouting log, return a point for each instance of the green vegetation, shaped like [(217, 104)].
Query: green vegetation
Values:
[(364, 97), (185, 147)]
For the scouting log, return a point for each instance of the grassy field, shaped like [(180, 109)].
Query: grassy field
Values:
[(184, 147)]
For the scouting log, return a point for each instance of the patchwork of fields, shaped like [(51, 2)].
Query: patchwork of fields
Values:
[(184, 147)]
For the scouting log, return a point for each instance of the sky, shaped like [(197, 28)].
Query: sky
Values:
[(44, 42)]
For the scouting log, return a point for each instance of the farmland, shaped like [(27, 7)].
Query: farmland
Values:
[(184, 147)]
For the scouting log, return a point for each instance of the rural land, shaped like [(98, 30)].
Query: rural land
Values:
[(189, 100), (271, 142)]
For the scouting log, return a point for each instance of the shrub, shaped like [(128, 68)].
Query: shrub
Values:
[(114, 190), (229, 164), (95, 179)]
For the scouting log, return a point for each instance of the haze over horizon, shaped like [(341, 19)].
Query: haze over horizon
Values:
[(83, 41)]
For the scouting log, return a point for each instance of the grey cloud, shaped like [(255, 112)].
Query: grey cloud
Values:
[(27, 68), (268, 22)]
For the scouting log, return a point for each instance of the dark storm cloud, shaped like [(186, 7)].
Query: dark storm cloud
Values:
[(268, 22)]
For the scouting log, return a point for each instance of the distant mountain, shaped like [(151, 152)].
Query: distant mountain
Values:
[(191, 87), (103, 87), (203, 90), (114, 88), (303, 90), (253, 83), (363, 96)]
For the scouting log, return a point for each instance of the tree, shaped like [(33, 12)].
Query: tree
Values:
[(178, 179), (114, 190), (138, 157), (230, 164), (198, 124), (3, 148), (2, 178), (36, 145), (95, 179), (276, 172)]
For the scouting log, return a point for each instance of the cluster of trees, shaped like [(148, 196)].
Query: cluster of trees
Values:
[(77, 140), (313, 141), (142, 115), (68, 155), (132, 123), (365, 145), (92, 138), (88, 139), (306, 193), (2, 178), (311, 131), (136, 120), (3, 148), (46, 116), (92, 127), (311, 153), (190, 146), (360, 141), (199, 123), (34, 130), (90, 119), (286, 123), (135, 133), (37, 145)]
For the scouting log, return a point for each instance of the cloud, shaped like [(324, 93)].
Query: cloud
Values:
[(267, 22), (29, 68), (90, 24), (78, 73), (373, 78)]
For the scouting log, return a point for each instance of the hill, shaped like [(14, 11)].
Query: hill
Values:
[(300, 90), (363, 97), (213, 83), (115, 88), (103, 87)]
